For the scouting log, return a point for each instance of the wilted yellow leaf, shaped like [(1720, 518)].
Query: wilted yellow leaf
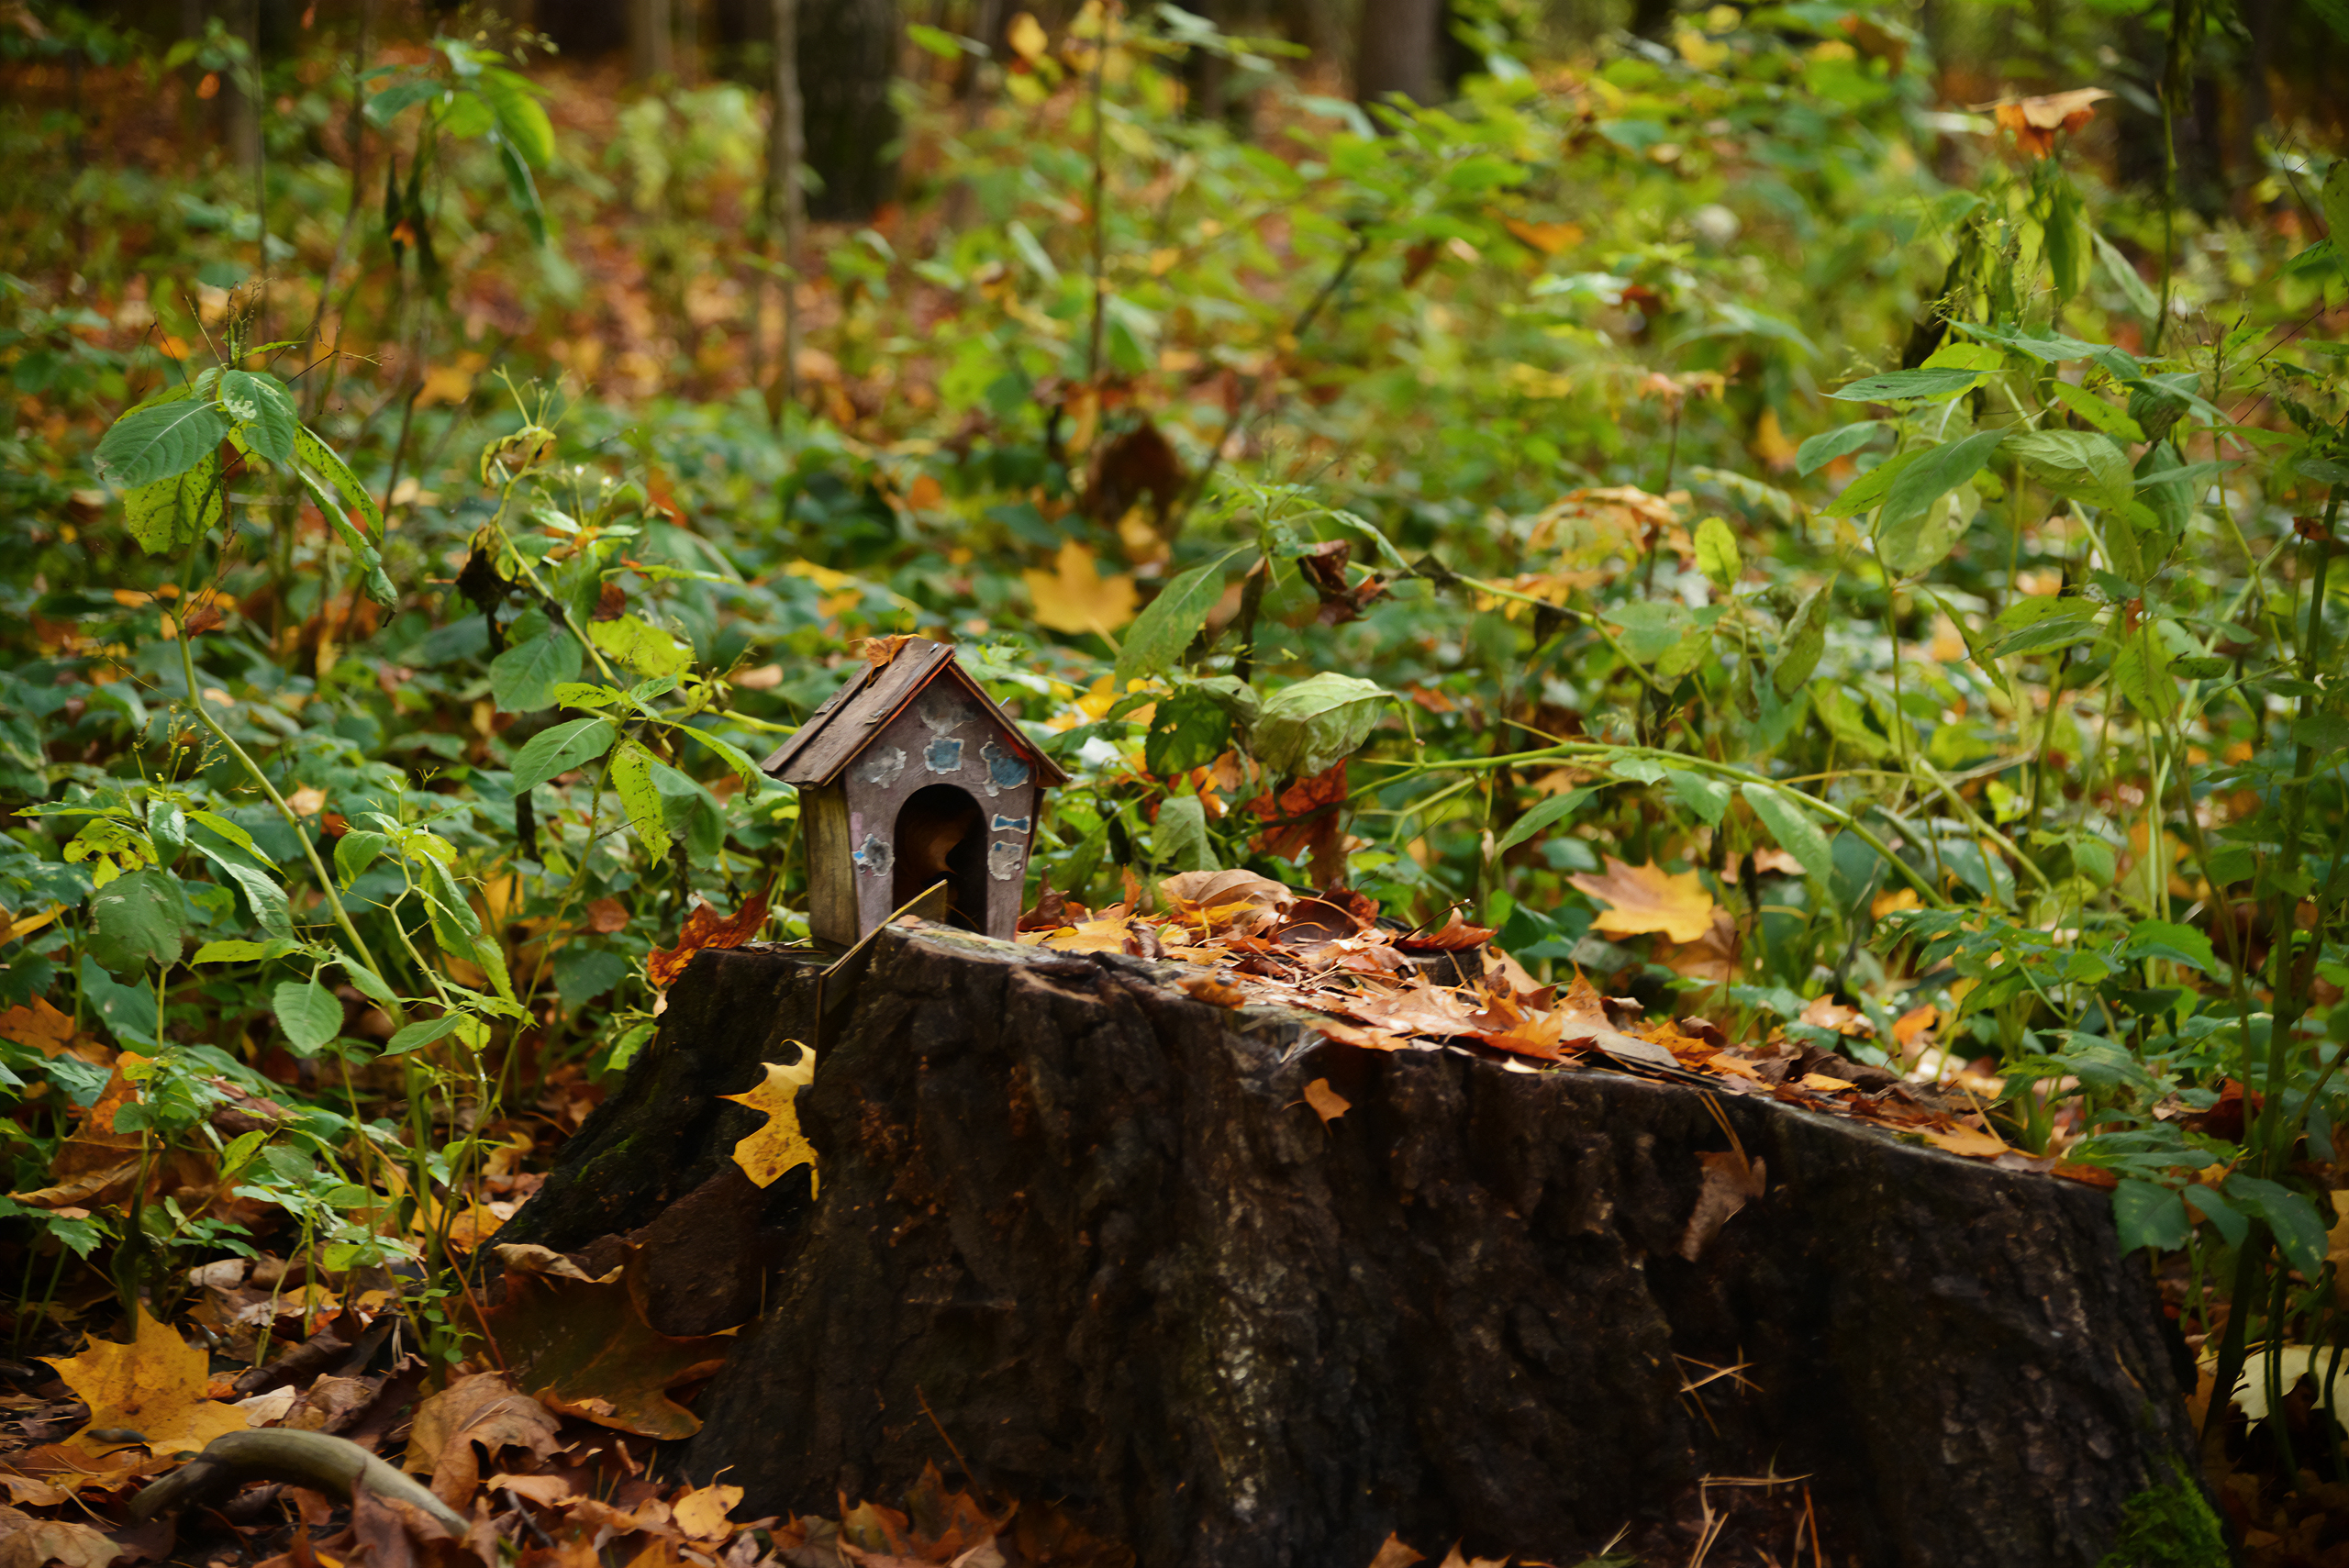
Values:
[(779, 1146), (701, 1513), (1970, 1141), (1074, 598), (1648, 898), (1026, 37), (153, 1386)]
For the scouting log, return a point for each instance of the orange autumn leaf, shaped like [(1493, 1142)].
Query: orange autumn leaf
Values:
[(1642, 899), (1455, 935), (704, 928), (605, 916), (1914, 1022), (1327, 1103), (2035, 121), (1970, 1141), (1074, 598)]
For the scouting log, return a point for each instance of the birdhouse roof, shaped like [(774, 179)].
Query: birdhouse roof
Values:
[(854, 718)]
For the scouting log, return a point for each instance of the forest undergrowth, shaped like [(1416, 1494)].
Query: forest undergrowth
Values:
[(1716, 519)]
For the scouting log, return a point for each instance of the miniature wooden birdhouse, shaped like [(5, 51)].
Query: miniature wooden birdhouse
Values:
[(911, 776)]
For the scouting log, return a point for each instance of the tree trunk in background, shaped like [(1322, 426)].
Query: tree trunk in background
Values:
[(786, 211), (649, 56), (1401, 49), (848, 53), (584, 31), (1083, 1226), (239, 116)]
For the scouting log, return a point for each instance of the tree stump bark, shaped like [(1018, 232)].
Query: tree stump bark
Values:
[(1085, 1226)]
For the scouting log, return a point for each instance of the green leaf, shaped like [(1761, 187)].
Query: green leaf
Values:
[(1862, 494), (1904, 387), (1912, 535), (1709, 799), (2334, 197), (1188, 731), (2074, 463), (2042, 625), (232, 831), (2224, 1217), (524, 190), (1179, 838), (1805, 641), (137, 919), (233, 951), (157, 442), (643, 648), (355, 851), (261, 407), (366, 981), (2108, 418), (553, 751), (175, 511), (2167, 939), (2141, 670), (416, 1036), (524, 677), (1316, 724), (1827, 445), (1792, 827), (733, 756), (2300, 1234), (631, 778), (1716, 554), (309, 1014), (315, 455), (271, 912), (2149, 1216), (520, 116), (1548, 814), (1169, 623)]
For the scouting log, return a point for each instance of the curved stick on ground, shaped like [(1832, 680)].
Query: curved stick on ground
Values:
[(330, 1464)]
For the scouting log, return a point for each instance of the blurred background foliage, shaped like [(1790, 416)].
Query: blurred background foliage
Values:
[(1426, 447)]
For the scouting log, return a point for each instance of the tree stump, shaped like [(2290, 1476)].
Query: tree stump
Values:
[(1087, 1227)]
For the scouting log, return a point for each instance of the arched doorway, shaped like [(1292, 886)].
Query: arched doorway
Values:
[(942, 836)]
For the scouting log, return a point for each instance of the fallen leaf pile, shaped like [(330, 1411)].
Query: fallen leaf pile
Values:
[(544, 1440), (1361, 980)]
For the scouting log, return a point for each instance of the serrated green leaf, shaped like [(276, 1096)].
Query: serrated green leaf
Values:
[(1912, 534), (315, 454), (1550, 812), (553, 751), (159, 441), (2149, 1216), (523, 678), (1708, 798), (416, 1036), (1827, 445), (233, 951), (1791, 826), (1169, 623), (631, 780), (309, 1014), (175, 511), (366, 981), (1906, 387), (137, 919), (267, 900), (1863, 493), (2108, 418), (261, 408), (642, 647)]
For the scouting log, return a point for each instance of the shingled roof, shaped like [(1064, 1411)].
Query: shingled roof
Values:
[(856, 714)]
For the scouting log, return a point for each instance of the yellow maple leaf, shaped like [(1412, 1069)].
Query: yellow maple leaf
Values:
[(1648, 898), (153, 1386), (1074, 596), (779, 1146)]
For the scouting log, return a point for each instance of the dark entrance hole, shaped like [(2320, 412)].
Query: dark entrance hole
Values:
[(942, 836)]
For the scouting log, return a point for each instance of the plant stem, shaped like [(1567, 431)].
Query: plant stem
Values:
[(310, 850)]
